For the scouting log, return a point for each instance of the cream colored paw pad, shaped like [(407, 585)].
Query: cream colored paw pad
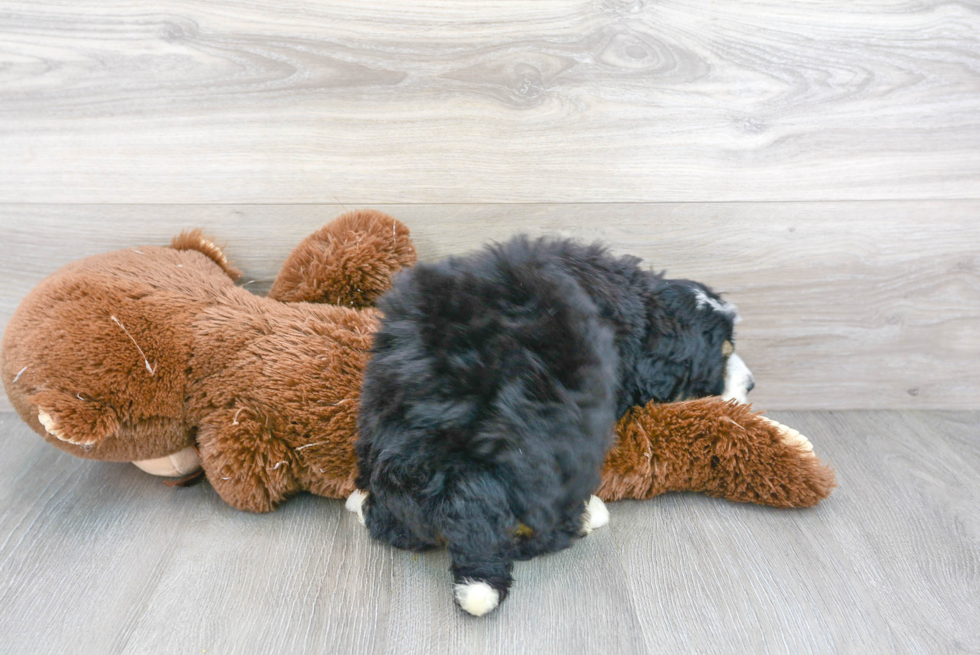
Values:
[(791, 436)]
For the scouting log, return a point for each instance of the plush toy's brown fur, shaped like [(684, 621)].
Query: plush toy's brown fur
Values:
[(140, 353), (715, 447)]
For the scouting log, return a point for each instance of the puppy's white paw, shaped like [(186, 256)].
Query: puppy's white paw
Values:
[(475, 597), (355, 503), (596, 515), (791, 436), (52, 428)]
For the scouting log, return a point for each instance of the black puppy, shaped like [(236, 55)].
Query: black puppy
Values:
[(488, 405)]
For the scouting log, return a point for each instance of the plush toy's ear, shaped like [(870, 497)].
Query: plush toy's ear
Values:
[(716, 447), (349, 262)]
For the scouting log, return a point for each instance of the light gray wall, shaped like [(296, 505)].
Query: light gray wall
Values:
[(844, 305)]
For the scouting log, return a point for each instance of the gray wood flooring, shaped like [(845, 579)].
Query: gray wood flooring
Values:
[(100, 558)]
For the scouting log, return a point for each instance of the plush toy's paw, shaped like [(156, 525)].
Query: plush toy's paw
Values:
[(45, 419), (72, 419), (791, 437), (716, 447), (355, 504), (63, 433), (789, 475), (476, 597), (595, 516)]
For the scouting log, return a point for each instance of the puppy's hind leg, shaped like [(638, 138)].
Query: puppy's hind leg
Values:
[(384, 526), (577, 522)]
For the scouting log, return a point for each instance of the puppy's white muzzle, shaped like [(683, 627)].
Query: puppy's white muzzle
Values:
[(738, 380)]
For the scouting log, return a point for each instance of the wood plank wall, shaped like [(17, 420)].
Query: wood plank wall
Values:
[(818, 162)]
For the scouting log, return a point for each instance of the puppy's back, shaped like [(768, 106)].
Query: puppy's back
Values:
[(488, 403)]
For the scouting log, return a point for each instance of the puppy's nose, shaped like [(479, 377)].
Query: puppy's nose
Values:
[(751, 385)]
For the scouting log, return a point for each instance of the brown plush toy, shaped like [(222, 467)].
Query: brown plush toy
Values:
[(152, 355)]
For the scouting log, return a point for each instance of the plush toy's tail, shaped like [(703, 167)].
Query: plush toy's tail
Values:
[(196, 240), (715, 447)]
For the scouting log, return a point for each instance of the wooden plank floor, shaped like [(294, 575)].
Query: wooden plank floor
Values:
[(100, 558)]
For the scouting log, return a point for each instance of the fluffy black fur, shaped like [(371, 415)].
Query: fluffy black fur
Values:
[(494, 386)]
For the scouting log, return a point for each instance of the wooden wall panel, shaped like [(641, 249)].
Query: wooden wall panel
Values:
[(844, 305), (217, 101)]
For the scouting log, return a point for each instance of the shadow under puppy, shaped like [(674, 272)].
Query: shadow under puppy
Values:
[(496, 378)]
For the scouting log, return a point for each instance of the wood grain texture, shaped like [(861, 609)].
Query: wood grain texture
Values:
[(215, 101), (576, 601), (914, 477), (888, 564), (844, 305), (101, 558)]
